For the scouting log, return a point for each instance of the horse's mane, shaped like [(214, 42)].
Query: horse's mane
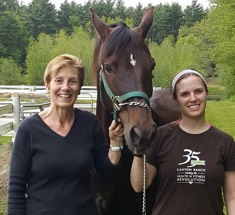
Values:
[(115, 42)]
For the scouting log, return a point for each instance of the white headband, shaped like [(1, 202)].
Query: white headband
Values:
[(187, 71)]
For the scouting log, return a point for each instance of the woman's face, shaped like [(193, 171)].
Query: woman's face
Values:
[(191, 96), (64, 87)]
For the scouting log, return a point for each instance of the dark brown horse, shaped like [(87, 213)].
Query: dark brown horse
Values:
[(165, 109), (123, 68)]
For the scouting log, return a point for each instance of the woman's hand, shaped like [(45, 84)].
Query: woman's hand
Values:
[(116, 141), (116, 133)]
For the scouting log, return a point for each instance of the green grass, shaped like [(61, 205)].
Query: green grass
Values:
[(216, 90), (216, 93), (5, 139), (221, 114)]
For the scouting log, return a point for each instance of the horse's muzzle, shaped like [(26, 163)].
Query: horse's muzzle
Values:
[(140, 142)]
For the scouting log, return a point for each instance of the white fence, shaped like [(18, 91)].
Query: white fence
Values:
[(15, 109), (89, 92)]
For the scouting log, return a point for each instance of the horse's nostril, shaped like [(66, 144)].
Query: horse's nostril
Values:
[(135, 135)]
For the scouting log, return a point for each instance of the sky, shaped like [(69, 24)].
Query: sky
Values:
[(128, 3)]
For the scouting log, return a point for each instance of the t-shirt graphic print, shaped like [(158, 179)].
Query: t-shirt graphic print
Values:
[(192, 170)]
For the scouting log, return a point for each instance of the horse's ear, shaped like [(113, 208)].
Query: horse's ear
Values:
[(146, 22), (102, 29)]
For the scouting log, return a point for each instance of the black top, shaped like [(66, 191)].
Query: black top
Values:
[(190, 170), (51, 174)]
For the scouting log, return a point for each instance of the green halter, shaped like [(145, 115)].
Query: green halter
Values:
[(119, 101)]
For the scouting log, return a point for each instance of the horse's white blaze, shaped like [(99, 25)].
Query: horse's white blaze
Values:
[(132, 61)]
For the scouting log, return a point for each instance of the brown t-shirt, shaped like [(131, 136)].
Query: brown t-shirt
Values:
[(191, 170)]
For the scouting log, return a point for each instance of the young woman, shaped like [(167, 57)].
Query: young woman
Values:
[(193, 162), (55, 150)]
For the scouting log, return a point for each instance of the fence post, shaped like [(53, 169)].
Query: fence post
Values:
[(16, 114)]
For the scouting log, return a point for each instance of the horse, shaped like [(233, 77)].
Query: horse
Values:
[(122, 67), (164, 108)]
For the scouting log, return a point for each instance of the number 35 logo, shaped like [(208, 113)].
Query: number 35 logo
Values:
[(192, 158)]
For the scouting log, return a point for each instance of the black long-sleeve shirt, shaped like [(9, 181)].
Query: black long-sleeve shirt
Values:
[(51, 174)]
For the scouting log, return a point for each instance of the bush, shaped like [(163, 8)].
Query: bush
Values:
[(10, 72)]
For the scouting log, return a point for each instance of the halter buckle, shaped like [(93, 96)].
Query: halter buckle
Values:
[(116, 102)]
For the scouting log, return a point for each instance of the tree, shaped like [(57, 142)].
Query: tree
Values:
[(38, 55), (41, 18), (201, 33), (64, 15), (222, 25), (46, 47), (12, 36), (120, 10), (167, 21), (175, 19), (193, 13), (9, 5), (104, 8), (10, 72), (71, 16), (138, 13), (171, 58)]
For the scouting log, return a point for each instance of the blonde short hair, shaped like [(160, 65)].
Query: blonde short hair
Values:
[(62, 61)]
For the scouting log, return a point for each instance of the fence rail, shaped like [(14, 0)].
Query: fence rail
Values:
[(31, 91), (15, 110)]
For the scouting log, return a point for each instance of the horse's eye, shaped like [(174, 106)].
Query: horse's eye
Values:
[(108, 68)]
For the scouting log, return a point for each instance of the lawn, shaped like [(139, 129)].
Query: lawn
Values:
[(221, 114)]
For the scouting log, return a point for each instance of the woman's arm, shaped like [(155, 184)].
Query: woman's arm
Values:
[(229, 192), (137, 172), (19, 170)]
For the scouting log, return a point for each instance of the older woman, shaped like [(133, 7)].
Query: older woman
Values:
[(55, 150), (193, 162)]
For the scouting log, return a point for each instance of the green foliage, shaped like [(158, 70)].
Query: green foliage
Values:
[(198, 40), (4, 140), (221, 114), (199, 36), (78, 44), (227, 77), (171, 59), (10, 72), (41, 51), (42, 18), (71, 16), (232, 98), (12, 36), (193, 13), (38, 55), (117, 20), (9, 5), (167, 21), (222, 25), (216, 90)]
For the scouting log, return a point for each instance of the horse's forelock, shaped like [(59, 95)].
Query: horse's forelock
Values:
[(117, 40)]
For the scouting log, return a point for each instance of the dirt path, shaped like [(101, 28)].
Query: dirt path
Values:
[(5, 154)]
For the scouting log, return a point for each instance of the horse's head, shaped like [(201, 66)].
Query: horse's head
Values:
[(124, 64)]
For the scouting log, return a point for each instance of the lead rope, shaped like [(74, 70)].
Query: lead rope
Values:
[(144, 187)]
